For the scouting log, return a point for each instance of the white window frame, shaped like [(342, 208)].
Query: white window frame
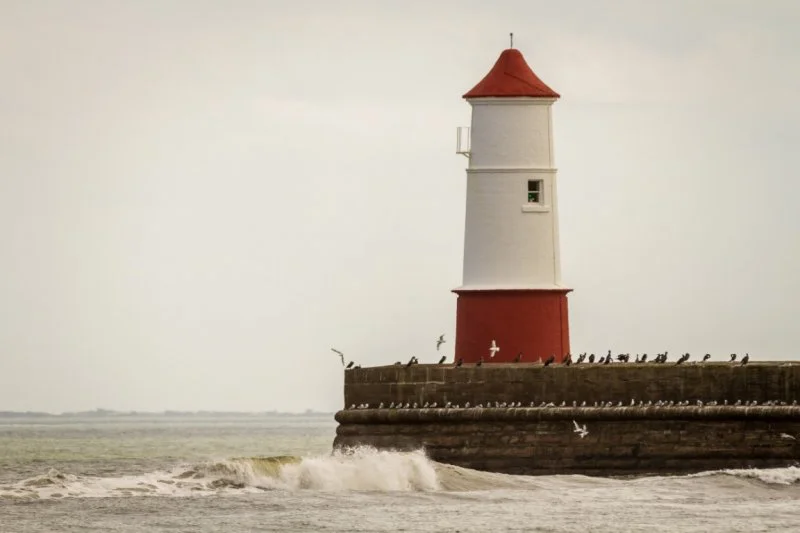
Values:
[(539, 191), (539, 206)]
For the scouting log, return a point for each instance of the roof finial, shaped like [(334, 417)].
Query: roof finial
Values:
[(511, 35)]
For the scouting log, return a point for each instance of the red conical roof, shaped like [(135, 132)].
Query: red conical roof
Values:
[(511, 76)]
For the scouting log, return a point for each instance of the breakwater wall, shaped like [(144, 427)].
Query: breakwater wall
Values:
[(621, 440), (760, 382)]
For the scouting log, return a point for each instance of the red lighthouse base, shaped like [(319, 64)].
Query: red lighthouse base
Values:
[(531, 321)]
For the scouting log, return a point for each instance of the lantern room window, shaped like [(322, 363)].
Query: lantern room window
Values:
[(534, 191)]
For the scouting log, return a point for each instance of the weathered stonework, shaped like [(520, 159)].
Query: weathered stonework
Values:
[(540, 440)]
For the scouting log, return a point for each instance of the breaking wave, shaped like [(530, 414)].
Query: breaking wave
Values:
[(357, 469), (769, 476)]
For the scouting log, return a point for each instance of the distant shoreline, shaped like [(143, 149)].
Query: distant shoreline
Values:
[(106, 413)]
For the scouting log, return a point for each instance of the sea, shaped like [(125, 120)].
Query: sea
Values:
[(270, 472)]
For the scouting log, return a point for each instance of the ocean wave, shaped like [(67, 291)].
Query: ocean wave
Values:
[(769, 476), (356, 469)]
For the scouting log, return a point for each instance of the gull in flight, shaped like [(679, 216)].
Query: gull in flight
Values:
[(339, 353), (440, 341), (787, 436), (493, 349), (580, 430)]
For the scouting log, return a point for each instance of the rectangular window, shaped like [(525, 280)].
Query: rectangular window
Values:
[(535, 191)]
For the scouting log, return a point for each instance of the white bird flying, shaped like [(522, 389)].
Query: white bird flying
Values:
[(340, 354), (493, 349), (580, 430), (440, 341), (787, 436)]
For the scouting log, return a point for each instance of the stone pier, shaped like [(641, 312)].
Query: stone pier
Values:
[(622, 440)]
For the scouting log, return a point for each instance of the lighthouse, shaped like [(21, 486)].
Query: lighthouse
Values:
[(512, 300)]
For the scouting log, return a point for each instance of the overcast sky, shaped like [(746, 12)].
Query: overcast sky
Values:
[(199, 199)]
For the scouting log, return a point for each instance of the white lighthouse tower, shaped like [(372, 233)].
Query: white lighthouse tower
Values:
[(512, 295)]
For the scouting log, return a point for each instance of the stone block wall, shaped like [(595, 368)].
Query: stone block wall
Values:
[(540, 440), (616, 382)]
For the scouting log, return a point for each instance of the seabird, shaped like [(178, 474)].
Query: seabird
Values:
[(350, 365), (787, 436), (733, 357), (460, 361), (550, 360), (410, 361), (442, 359), (341, 355), (439, 341), (591, 358), (745, 359), (580, 430), (480, 361), (518, 358), (493, 349), (706, 357)]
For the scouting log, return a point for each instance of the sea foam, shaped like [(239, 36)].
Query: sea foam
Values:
[(356, 469)]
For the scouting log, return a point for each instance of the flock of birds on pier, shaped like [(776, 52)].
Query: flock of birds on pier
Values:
[(545, 405), (580, 430), (661, 358)]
